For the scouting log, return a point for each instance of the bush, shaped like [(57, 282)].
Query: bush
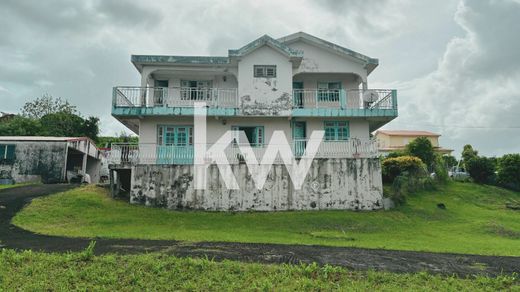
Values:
[(481, 169), (440, 169), (395, 154), (509, 171), (409, 165), (423, 149)]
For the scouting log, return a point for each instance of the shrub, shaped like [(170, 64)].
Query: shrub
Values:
[(509, 171), (481, 169), (394, 167), (422, 148), (395, 154), (440, 169)]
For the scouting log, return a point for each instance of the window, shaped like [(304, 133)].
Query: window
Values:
[(254, 135), (336, 131), (7, 154), (328, 91), (175, 135), (264, 71)]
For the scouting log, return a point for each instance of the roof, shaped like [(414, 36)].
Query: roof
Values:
[(408, 133), (266, 40), (281, 45), (370, 63), (43, 138)]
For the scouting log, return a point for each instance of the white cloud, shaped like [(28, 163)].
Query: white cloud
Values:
[(474, 94)]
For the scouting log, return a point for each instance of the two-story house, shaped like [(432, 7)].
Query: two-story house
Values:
[(396, 140), (298, 83)]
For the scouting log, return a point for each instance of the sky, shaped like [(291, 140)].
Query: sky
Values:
[(455, 63)]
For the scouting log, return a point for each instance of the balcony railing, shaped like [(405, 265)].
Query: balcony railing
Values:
[(228, 98), (159, 154), (344, 99), (174, 97)]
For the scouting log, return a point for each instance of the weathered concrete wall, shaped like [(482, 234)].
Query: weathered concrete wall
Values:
[(36, 161), (330, 184)]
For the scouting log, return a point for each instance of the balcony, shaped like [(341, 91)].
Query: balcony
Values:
[(341, 102), (131, 154), (141, 101), (172, 100)]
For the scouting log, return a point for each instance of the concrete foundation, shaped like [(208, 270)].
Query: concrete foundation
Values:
[(341, 184)]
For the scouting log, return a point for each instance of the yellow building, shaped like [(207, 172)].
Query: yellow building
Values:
[(390, 141)]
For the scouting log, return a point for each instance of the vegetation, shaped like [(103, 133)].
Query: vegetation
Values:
[(481, 169), (394, 167), (449, 161), (48, 116), (17, 185), (509, 171), (422, 148), (474, 221), (35, 271), (106, 141)]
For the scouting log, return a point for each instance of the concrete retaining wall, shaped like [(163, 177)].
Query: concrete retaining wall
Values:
[(353, 184)]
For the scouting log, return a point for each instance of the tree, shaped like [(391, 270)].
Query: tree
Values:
[(69, 125), (450, 161), (21, 126), (422, 148), (468, 153), (481, 169), (509, 171), (46, 105)]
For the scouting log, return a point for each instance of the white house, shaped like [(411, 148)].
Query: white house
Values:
[(298, 83)]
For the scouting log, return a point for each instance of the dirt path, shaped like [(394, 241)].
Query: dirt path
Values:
[(13, 200)]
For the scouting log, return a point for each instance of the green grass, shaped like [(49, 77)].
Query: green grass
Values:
[(17, 185), (475, 221), (34, 271)]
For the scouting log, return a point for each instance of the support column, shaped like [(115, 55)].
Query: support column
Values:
[(84, 166)]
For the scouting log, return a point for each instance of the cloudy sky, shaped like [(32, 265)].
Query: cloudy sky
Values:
[(455, 64)]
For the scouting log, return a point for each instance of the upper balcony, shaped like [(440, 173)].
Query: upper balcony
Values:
[(154, 101)]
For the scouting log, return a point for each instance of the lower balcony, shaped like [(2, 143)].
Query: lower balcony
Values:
[(132, 154)]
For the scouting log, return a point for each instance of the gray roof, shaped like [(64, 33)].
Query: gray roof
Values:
[(280, 44), (370, 63)]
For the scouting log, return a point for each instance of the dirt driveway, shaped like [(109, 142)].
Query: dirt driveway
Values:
[(14, 199)]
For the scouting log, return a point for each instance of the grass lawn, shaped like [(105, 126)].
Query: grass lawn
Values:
[(475, 221), (158, 272), (17, 185)]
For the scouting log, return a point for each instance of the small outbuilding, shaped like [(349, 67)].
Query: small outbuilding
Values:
[(48, 159)]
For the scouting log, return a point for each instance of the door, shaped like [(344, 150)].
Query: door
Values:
[(177, 145), (298, 94), (160, 91), (299, 137)]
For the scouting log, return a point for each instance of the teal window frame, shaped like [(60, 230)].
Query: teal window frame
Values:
[(175, 135), (336, 130), (264, 71), (324, 90), (258, 137), (7, 153)]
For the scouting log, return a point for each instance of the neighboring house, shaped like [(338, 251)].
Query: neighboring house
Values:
[(4, 117), (298, 83), (390, 141), (47, 159)]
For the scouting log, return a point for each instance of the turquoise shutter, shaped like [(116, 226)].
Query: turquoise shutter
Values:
[(259, 136), (10, 152), (3, 154)]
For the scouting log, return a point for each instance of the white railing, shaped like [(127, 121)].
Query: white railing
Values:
[(159, 154), (345, 99), (125, 96)]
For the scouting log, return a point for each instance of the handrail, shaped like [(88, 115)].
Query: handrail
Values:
[(151, 153)]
